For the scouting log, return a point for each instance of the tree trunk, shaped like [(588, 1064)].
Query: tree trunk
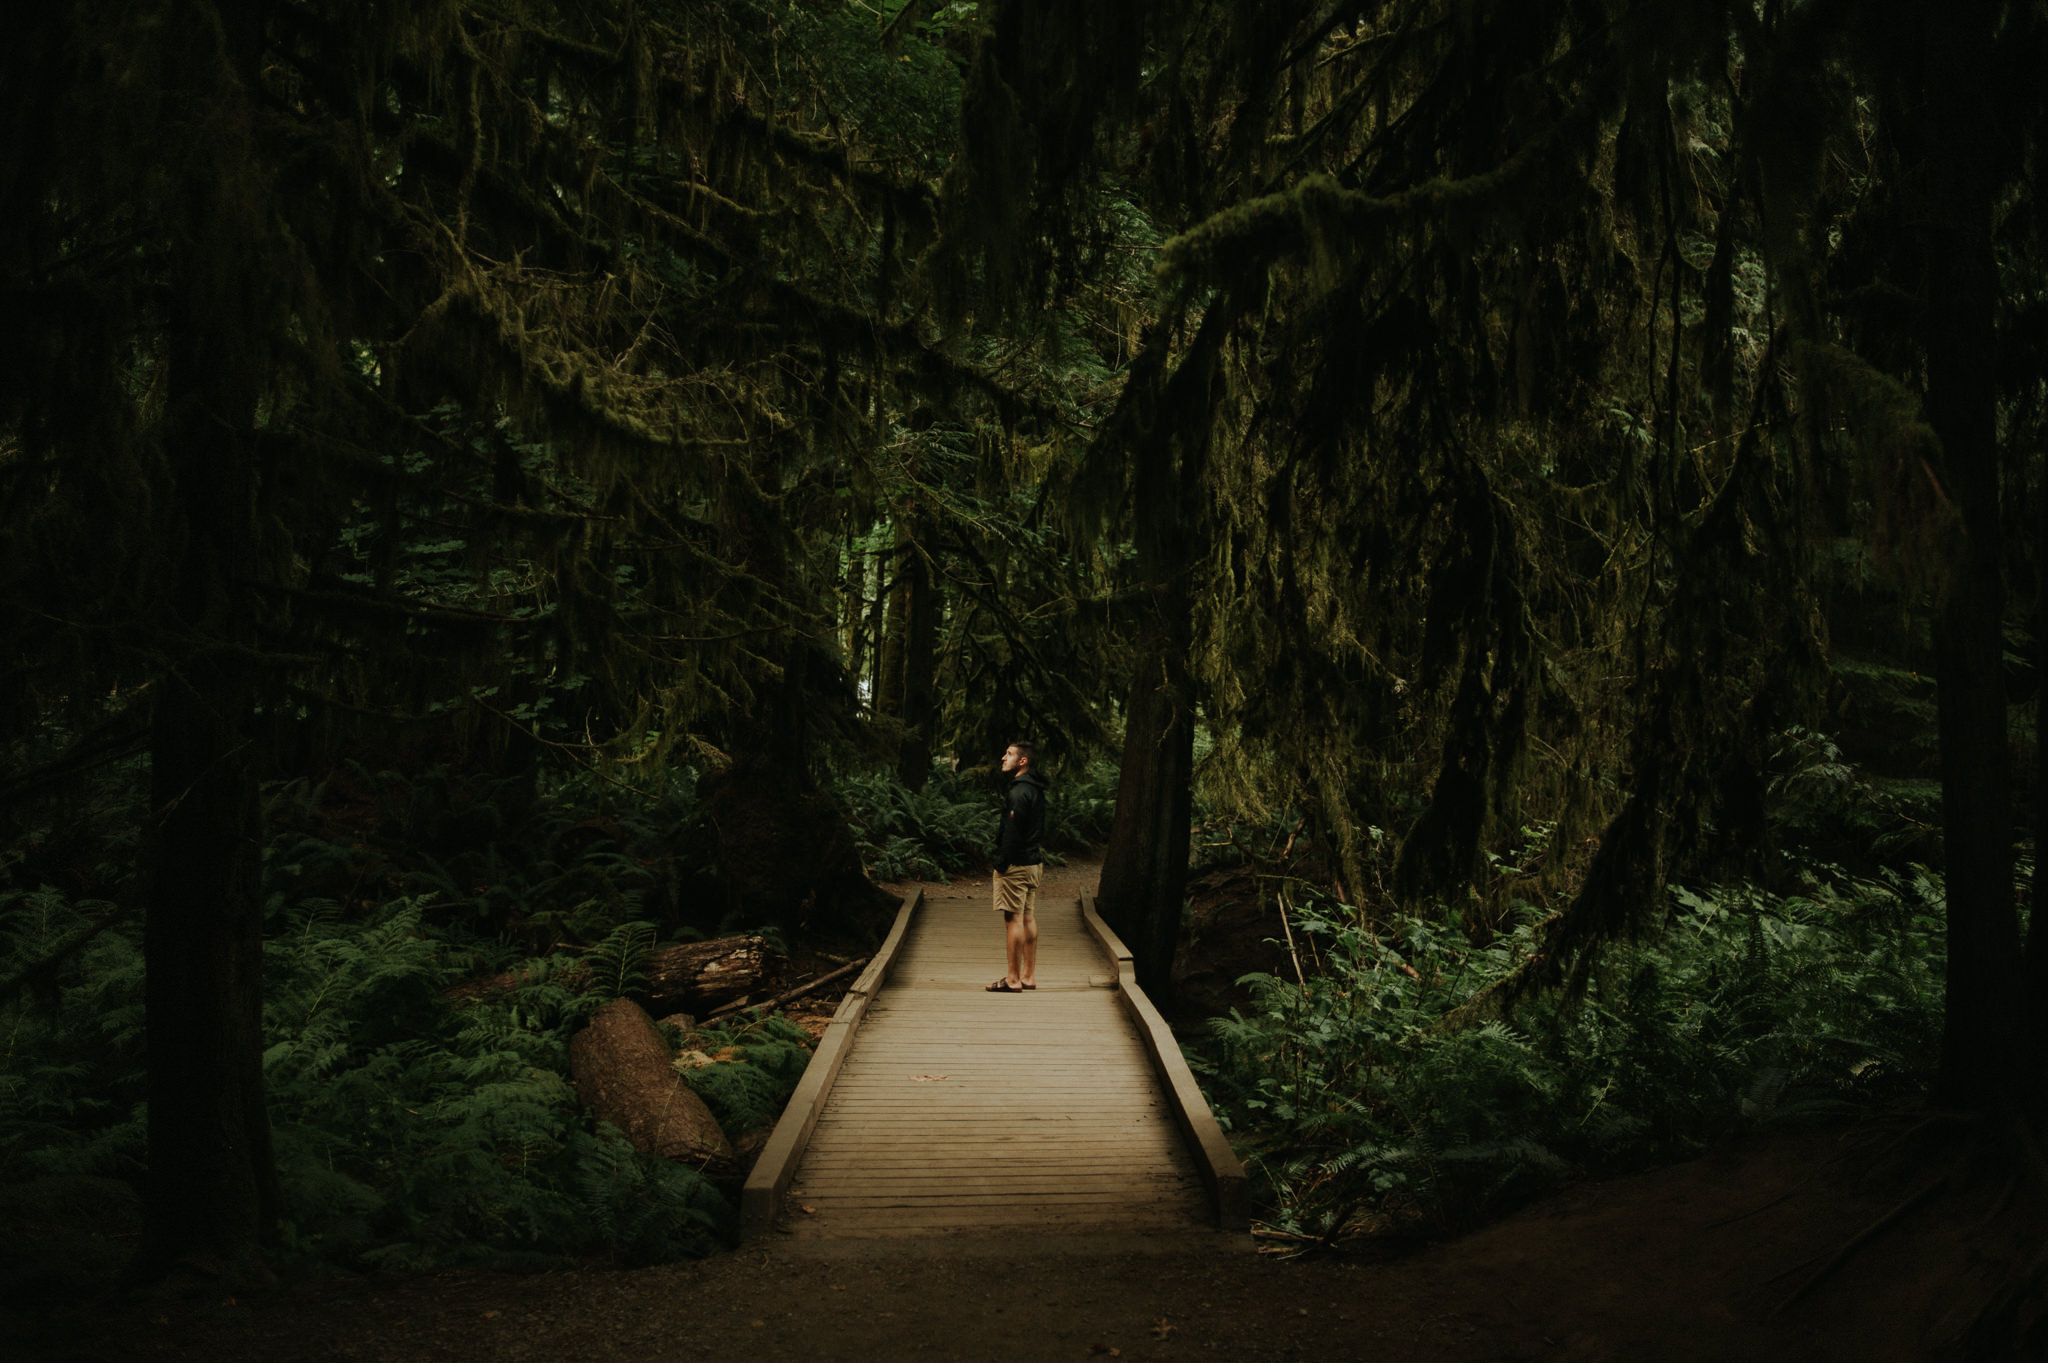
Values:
[(786, 854), (212, 1187), (920, 666), (2036, 983), (854, 604), (212, 1184), (1983, 1040), (890, 648), (1145, 868)]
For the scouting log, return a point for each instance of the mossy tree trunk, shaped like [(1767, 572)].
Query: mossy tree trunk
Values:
[(212, 1183), (920, 662), (1983, 1039), (1145, 868), (212, 1186)]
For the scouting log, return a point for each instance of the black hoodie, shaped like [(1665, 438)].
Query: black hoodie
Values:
[(1023, 826)]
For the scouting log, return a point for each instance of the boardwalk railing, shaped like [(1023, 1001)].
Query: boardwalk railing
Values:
[(1221, 1170), (761, 1199), (1055, 1112)]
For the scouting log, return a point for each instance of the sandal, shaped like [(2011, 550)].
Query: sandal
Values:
[(1003, 987), (1031, 986)]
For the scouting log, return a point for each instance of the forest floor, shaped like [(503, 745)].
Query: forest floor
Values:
[(1682, 1263), (1707, 1260)]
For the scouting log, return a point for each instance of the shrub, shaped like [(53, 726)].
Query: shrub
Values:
[(756, 1067), (1379, 1089)]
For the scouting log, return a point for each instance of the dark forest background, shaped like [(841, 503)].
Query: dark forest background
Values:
[(1543, 499)]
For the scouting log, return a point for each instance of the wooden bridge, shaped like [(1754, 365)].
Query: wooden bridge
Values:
[(933, 1107)]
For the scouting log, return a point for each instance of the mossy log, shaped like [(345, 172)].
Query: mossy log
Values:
[(701, 977), (622, 1069), (695, 977)]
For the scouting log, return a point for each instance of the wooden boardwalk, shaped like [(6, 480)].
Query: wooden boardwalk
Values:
[(960, 1111)]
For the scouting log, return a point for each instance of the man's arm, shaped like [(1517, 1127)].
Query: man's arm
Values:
[(1008, 845)]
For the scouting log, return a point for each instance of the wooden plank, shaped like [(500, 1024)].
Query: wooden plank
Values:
[(1220, 1167), (1104, 1210), (1050, 1112), (1043, 1194), (842, 1165), (993, 1176), (760, 1196)]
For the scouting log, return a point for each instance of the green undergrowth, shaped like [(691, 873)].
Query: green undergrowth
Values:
[(413, 1134), (950, 825), (745, 1073), (1390, 1094), (413, 1129)]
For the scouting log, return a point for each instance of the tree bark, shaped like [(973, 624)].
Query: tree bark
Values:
[(894, 642), (786, 854), (1145, 867), (2036, 983), (920, 664), (702, 976), (1983, 1038), (623, 1070), (212, 1183), (212, 1186)]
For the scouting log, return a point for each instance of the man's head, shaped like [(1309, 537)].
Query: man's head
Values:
[(1017, 758)]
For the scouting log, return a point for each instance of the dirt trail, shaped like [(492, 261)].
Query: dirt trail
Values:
[(1675, 1265)]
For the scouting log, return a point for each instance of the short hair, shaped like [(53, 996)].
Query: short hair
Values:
[(1026, 751)]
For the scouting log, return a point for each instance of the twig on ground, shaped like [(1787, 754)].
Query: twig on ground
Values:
[(1744, 1216), (729, 1009), (1857, 1241)]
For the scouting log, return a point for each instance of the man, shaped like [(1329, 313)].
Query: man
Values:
[(1019, 863)]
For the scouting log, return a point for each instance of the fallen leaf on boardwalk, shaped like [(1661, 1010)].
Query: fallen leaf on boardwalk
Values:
[(807, 1211), (1160, 1329), (926, 1078), (1106, 1350)]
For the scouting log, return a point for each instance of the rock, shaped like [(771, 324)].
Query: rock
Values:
[(623, 1070)]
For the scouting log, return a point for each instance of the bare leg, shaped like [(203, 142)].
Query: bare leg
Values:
[(1026, 953), (1014, 926)]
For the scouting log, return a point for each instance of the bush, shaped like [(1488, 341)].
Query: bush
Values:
[(754, 1069), (1380, 1091), (410, 1134), (407, 1133), (924, 834)]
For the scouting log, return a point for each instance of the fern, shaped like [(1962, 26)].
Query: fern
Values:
[(1362, 1094), (618, 964)]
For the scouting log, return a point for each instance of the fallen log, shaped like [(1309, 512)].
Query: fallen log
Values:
[(695, 977), (623, 1072), (699, 977)]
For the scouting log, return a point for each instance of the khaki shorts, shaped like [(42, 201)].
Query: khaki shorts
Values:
[(1017, 889)]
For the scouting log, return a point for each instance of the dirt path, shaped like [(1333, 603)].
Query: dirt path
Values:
[(1679, 1264), (1069, 878)]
